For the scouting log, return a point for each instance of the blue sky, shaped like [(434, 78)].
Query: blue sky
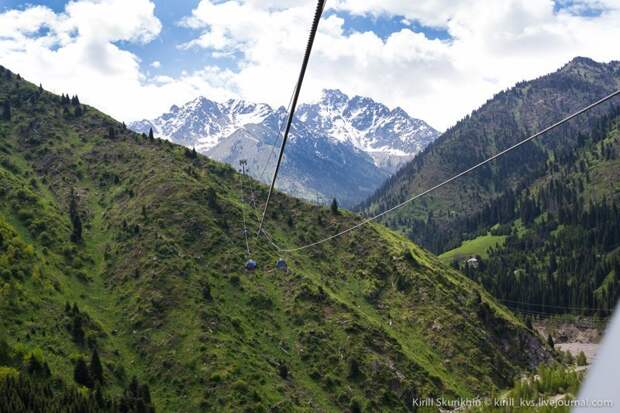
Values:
[(174, 61), (162, 49), (403, 53)]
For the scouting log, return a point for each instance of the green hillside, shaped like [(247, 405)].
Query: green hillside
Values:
[(436, 221), (478, 246), (562, 232), (134, 247)]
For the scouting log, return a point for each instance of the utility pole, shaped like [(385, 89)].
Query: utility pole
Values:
[(243, 163)]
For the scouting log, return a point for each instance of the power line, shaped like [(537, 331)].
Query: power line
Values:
[(455, 177), (591, 318), (315, 25), (548, 314), (555, 306)]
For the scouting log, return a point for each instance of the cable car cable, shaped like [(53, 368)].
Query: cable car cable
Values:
[(280, 130), (455, 177), (315, 25)]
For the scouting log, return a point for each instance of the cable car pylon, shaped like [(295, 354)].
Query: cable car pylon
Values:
[(250, 264)]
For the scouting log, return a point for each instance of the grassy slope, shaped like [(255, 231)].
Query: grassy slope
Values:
[(477, 246), (155, 247)]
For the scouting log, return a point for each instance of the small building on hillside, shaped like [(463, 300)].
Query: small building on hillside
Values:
[(473, 262)]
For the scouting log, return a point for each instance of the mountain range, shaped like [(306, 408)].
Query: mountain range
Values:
[(339, 146)]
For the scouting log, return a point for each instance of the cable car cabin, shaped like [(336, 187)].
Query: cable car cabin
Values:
[(250, 265), (281, 265)]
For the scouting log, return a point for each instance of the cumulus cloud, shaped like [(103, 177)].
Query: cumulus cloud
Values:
[(76, 52), (491, 46)]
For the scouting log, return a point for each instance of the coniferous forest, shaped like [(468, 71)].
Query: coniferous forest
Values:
[(561, 252), (550, 209), (27, 384), (561, 229)]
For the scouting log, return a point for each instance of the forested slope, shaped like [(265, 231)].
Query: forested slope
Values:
[(562, 247), (508, 117)]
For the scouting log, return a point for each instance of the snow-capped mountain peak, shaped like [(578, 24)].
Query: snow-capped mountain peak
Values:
[(369, 126), (203, 123), (358, 135), (333, 98)]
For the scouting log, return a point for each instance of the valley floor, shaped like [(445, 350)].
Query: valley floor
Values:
[(573, 334)]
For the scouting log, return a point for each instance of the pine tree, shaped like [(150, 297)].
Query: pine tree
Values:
[(134, 388), (96, 370), (76, 234), (191, 154), (356, 407), (76, 330), (151, 135), (550, 341), (211, 197), (81, 375), (136, 398), (334, 207), (354, 369), (6, 110), (283, 371), (37, 368), (145, 392), (582, 359)]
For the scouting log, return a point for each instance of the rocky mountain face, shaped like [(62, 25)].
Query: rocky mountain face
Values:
[(339, 146)]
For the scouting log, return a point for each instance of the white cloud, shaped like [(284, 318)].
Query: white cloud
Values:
[(75, 52), (156, 64), (493, 45)]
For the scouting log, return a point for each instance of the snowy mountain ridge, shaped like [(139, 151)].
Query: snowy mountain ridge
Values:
[(363, 135)]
